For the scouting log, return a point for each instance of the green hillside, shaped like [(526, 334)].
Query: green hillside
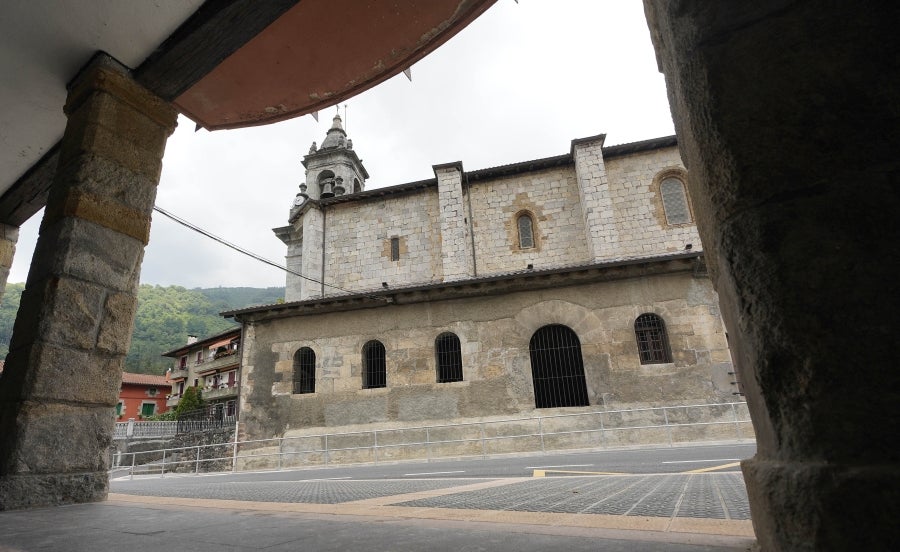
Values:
[(165, 317)]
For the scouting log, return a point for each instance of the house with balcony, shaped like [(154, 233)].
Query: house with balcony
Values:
[(142, 395), (212, 365)]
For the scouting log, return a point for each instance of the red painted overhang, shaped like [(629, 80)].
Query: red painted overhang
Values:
[(319, 53)]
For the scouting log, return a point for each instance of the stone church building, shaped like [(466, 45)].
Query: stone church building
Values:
[(568, 283)]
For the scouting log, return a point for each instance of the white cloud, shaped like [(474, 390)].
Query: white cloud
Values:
[(519, 83)]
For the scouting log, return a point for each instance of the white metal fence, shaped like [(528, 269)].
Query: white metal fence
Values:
[(668, 425), (144, 430)]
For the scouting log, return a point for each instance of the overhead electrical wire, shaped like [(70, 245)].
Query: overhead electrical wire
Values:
[(253, 255)]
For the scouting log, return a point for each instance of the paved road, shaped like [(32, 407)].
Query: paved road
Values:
[(687, 482), (497, 505), (628, 461)]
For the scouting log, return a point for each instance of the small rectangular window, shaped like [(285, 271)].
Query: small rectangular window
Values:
[(147, 409), (395, 249)]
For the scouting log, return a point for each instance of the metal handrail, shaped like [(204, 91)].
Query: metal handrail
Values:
[(327, 452)]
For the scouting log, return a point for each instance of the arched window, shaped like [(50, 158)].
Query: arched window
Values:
[(652, 341), (449, 358), (304, 371), (557, 368), (674, 200), (374, 368), (526, 231)]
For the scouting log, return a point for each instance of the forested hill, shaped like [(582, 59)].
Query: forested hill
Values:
[(165, 317)]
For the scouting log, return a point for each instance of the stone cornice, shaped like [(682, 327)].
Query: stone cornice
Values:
[(528, 280)]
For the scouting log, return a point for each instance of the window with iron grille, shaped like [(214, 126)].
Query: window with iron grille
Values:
[(526, 231), (674, 201), (374, 367), (304, 371), (449, 358), (395, 249), (652, 341), (557, 368)]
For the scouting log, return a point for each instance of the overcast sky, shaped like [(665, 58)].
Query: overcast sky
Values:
[(517, 84)]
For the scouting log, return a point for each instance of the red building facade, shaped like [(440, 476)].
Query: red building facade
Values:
[(142, 395)]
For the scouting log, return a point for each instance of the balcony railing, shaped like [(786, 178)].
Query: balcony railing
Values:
[(172, 400), (205, 365), (178, 373), (221, 392)]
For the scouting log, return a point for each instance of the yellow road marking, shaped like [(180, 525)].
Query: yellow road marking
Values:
[(543, 473), (714, 468)]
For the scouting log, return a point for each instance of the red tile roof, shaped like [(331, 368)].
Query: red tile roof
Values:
[(145, 379)]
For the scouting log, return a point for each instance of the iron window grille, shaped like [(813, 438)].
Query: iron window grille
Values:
[(395, 249), (304, 371), (652, 340), (449, 358), (374, 366), (526, 231), (674, 200), (557, 368)]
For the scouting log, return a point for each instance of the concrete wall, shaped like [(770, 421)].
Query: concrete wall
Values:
[(494, 333)]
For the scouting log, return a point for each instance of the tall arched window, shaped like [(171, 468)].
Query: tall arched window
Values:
[(304, 371), (449, 358), (674, 200), (525, 225), (557, 368), (652, 341), (374, 367)]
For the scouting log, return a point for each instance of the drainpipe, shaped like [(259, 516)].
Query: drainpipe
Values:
[(468, 192), (324, 228)]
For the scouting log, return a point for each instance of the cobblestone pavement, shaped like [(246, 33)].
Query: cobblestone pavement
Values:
[(704, 495)]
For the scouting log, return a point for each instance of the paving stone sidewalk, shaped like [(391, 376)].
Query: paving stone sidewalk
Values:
[(652, 513)]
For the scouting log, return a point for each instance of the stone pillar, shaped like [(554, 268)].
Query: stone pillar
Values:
[(293, 260), (63, 372), (787, 119), (9, 235), (311, 257), (593, 191), (456, 244)]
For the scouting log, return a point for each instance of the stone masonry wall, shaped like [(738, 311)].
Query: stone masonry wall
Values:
[(456, 245), (638, 219), (358, 242), (618, 198), (494, 333), (551, 197)]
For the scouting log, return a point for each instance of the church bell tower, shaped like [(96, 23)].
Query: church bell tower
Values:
[(332, 170)]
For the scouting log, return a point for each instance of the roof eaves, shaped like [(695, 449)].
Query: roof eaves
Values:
[(637, 147), (521, 167), (378, 193), (386, 294), (201, 342)]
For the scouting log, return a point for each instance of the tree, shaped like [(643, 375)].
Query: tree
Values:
[(191, 400)]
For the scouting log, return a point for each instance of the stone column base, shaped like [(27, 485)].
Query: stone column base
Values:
[(819, 506), (52, 489)]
